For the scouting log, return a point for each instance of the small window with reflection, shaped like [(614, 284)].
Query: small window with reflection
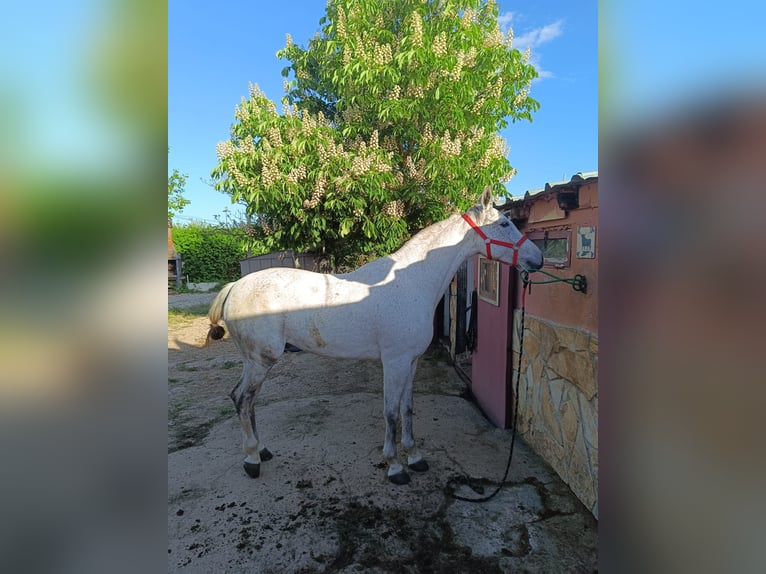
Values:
[(555, 246)]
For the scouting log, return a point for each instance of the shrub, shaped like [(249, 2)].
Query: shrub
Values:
[(210, 253)]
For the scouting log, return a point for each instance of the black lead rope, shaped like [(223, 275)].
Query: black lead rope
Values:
[(514, 420), (578, 283)]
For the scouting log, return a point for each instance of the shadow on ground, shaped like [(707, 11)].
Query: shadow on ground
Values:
[(323, 503)]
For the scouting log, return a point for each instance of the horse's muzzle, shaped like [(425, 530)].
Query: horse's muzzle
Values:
[(537, 265)]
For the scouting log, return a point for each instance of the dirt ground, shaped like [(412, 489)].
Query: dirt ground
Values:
[(323, 503)]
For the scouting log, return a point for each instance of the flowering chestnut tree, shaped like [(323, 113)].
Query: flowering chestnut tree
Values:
[(389, 123)]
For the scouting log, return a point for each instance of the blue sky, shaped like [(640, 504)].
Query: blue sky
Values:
[(216, 49), (670, 55)]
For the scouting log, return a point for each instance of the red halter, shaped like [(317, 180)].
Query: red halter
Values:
[(489, 242)]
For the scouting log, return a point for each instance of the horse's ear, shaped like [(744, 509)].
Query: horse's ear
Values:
[(486, 198)]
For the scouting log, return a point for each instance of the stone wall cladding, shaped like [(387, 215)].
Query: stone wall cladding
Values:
[(558, 407)]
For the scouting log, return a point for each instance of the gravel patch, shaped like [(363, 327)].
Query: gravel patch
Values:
[(183, 300)]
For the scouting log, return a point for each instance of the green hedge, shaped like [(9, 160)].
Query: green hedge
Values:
[(210, 253)]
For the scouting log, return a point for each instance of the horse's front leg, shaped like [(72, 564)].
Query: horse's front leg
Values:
[(396, 372), (415, 459)]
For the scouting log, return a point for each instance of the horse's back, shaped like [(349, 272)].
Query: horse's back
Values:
[(318, 312)]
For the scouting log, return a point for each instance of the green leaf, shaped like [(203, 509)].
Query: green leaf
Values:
[(368, 228), (345, 227)]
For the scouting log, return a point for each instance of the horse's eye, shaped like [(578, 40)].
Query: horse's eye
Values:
[(504, 223)]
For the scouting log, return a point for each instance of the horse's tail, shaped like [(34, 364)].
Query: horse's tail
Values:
[(215, 313)]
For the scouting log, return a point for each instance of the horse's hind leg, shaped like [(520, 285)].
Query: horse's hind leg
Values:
[(243, 395), (415, 460)]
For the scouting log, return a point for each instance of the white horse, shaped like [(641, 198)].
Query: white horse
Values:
[(383, 310)]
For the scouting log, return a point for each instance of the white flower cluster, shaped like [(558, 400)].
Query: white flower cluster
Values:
[(509, 38), (382, 54), (440, 44), (432, 77), (467, 59), (428, 134), (319, 191), (477, 133), (508, 176), (288, 40), (328, 150), (296, 175), (497, 148), (417, 29), (450, 147), (454, 73), (224, 149), (288, 110), (269, 171), (395, 93), (496, 89), (340, 25), (274, 136), (255, 91), (361, 164), (247, 146), (414, 91), (390, 144), (394, 209), (468, 18), (454, 146), (308, 123), (414, 171), (260, 100), (495, 38), (242, 111), (239, 177), (520, 97)]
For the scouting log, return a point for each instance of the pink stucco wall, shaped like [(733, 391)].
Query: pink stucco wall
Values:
[(559, 302), (489, 364)]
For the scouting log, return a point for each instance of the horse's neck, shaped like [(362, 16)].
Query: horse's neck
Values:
[(432, 257)]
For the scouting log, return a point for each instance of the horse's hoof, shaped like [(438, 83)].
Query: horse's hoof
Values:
[(419, 466), (265, 454), (253, 470), (400, 478)]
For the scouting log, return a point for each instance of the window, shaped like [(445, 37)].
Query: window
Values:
[(555, 246), (489, 280)]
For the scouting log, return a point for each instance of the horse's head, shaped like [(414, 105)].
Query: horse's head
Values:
[(502, 240)]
